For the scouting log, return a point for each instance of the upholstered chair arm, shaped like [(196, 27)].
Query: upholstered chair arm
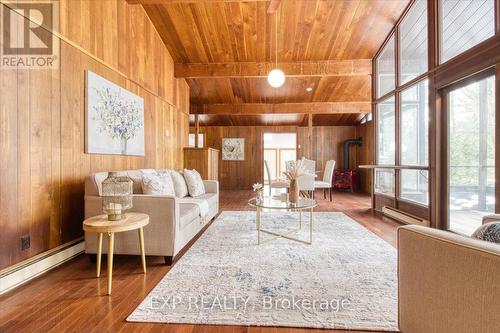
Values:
[(211, 186), (447, 282), (491, 218)]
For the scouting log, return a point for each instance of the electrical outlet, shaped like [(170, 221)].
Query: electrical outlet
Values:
[(25, 242)]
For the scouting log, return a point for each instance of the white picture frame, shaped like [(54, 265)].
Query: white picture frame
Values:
[(233, 149), (114, 118)]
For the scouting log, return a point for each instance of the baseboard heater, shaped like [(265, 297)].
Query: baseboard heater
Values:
[(14, 276), (403, 216)]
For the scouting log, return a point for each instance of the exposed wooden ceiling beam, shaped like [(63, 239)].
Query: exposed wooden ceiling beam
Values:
[(273, 6), (261, 69), (160, 2), (297, 108)]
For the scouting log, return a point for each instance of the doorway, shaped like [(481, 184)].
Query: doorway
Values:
[(278, 149)]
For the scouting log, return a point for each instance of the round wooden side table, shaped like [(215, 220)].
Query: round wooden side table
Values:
[(100, 225)]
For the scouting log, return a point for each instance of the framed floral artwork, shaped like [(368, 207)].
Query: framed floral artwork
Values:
[(233, 149), (114, 118)]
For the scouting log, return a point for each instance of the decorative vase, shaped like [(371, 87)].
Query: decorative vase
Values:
[(294, 191), (260, 196)]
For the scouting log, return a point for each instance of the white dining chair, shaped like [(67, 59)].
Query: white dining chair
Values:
[(310, 165), (279, 183), (306, 184), (327, 182)]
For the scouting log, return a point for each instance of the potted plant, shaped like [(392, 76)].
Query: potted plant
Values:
[(259, 190)]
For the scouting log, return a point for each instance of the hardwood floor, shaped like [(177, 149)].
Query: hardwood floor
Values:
[(70, 298)]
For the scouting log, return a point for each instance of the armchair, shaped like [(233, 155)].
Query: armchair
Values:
[(491, 218), (448, 283)]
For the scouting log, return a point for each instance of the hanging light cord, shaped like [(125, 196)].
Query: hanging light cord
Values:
[(276, 21)]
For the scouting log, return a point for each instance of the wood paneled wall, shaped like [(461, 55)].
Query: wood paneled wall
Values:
[(327, 144), (42, 126), (235, 175)]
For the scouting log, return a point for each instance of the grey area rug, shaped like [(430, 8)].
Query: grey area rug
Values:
[(345, 280)]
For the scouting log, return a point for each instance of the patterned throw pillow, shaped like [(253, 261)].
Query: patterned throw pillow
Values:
[(194, 182), (157, 184), (488, 232), (180, 186)]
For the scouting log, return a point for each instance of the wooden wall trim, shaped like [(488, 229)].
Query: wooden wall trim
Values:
[(261, 69), (470, 62), (297, 108)]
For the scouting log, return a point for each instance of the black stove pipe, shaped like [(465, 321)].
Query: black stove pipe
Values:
[(346, 153)]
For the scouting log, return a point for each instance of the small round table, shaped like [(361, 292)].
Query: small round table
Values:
[(100, 225), (271, 203)]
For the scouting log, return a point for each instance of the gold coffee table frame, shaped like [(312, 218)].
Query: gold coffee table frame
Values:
[(277, 204)]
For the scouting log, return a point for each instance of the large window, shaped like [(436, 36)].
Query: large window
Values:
[(413, 43), (386, 69), (471, 154), (384, 181), (386, 132), (464, 24), (414, 142), (415, 125), (386, 146), (192, 141), (416, 93), (415, 186)]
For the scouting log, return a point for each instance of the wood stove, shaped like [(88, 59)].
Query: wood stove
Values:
[(347, 179)]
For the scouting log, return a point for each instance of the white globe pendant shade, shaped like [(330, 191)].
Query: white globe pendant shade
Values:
[(276, 78)]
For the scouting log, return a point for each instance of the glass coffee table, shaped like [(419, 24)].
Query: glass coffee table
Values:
[(270, 203)]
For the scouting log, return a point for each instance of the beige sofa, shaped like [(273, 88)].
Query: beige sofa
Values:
[(172, 221), (447, 283)]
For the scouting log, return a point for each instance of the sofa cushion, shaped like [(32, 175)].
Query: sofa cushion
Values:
[(488, 232), (187, 213), (180, 186), (159, 184), (136, 176), (210, 197), (194, 183)]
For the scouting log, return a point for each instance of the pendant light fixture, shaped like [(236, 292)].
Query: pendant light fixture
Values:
[(276, 77)]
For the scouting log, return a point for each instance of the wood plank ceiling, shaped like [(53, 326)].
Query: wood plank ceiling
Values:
[(226, 48)]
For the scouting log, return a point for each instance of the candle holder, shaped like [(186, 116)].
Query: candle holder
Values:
[(116, 195)]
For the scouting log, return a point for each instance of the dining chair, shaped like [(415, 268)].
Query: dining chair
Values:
[(279, 183), (310, 165), (306, 184), (327, 181)]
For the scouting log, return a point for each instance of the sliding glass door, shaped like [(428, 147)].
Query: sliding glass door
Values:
[(471, 153)]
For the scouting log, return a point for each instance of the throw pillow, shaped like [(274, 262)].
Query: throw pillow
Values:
[(194, 183), (157, 184), (180, 187), (488, 232)]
